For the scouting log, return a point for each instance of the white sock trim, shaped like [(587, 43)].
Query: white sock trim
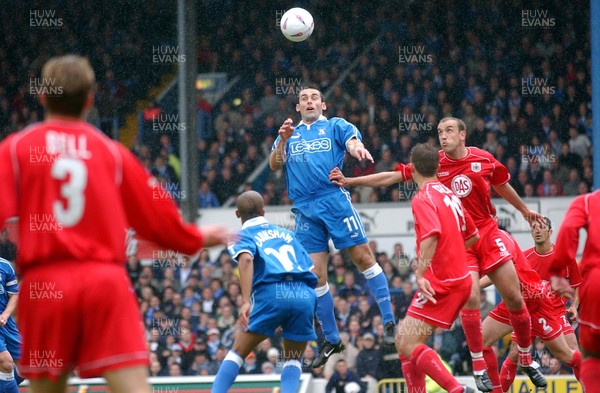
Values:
[(234, 357), (373, 271), (321, 291), (521, 349), (476, 354), (6, 376), (292, 363)]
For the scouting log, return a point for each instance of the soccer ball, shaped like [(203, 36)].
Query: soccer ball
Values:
[(297, 24)]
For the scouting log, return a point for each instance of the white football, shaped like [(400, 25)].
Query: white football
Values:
[(297, 24)]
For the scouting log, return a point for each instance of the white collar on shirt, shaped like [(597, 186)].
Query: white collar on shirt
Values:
[(308, 125), (255, 221)]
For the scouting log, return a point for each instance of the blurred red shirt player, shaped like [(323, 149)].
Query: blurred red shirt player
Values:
[(583, 213), (75, 192)]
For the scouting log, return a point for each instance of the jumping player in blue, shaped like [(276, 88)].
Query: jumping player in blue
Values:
[(10, 338), (277, 287), (323, 210)]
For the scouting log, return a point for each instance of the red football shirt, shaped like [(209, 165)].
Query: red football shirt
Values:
[(470, 179), (541, 264), (532, 286), (75, 192), (579, 215), (437, 211)]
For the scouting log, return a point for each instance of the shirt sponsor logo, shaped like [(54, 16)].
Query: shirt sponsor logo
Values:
[(461, 185), (314, 146)]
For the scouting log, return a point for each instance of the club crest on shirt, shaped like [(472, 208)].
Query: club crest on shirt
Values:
[(476, 166), (321, 131)]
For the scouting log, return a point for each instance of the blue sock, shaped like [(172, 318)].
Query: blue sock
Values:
[(8, 383), (378, 285), (18, 378), (326, 315), (290, 376), (227, 372)]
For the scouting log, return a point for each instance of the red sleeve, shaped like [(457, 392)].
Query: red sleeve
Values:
[(574, 274), (568, 236), (426, 217), (8, 182), (471, 229), (405, 169), (500, 174), (154, 215)]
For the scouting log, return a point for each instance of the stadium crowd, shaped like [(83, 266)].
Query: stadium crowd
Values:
[(523, 91)]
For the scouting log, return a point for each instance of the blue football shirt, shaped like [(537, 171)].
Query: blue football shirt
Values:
[(312, 152), (278, 255)]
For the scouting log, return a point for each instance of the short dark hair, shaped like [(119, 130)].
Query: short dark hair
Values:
[(425, 159), (548, 222), (310, 86), (461, 124)]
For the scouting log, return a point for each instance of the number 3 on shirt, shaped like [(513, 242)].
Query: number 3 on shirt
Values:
[(72, 172)]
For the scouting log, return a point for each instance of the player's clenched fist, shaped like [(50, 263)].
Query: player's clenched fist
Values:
[(286, 130)]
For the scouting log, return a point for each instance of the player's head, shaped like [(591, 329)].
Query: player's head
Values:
[(452, 133), (310, 104), (541, 232), (250, 204), (425, 160), (68, 86)]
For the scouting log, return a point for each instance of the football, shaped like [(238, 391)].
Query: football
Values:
[(297, 24)]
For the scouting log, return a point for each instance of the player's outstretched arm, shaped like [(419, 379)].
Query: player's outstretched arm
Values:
[(507, 192), (246, 270), (484, 282), (381, 179), (358, 151), (155, 217), (277, 156)]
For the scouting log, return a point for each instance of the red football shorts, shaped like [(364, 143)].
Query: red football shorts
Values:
[(545, 324), (589, 311), (450, 300), (490, 251), (561, 313), (79, 315)]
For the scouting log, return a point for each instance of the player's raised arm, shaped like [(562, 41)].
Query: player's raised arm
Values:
[(357, 150), (381, 179), (277, 157), (507, 192)]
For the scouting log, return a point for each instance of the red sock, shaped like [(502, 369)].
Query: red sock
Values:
[(590, 375), (414, 376), (521, 324), (576, 364), (430, 363), (471, 321), (508, 374), (492, 368)]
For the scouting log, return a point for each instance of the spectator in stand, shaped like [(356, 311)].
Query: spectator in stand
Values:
[(485, 306), (250, 367), (341, 378), (579, 143), (8, 249), (545, 188), (206, 198), (369, 358)]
